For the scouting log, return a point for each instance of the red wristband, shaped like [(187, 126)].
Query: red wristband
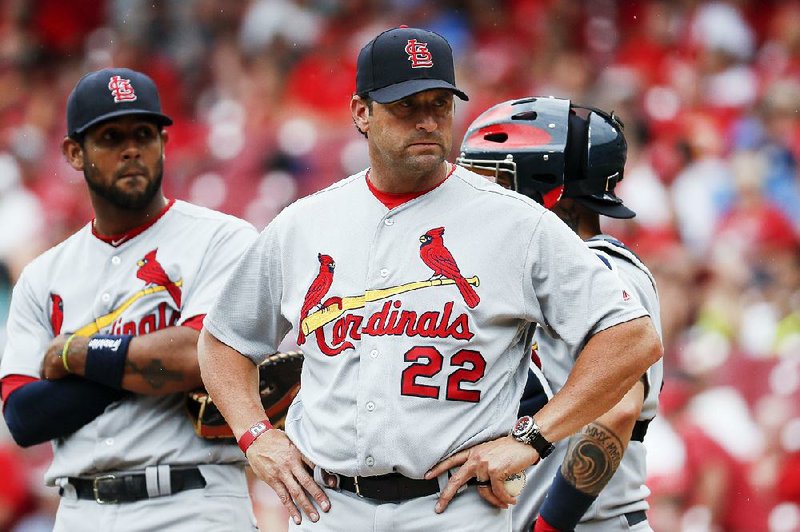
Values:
[(252, 433)]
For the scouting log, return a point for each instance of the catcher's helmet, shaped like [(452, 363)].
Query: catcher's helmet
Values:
[(548, 149), (523, 143)]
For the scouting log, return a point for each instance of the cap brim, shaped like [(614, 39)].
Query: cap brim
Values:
[(398, 91), (162, 119), (606, 208)]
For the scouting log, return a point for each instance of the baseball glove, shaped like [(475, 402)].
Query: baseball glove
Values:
[(278, 383)]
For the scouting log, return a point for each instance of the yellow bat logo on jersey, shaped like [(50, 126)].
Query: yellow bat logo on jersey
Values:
[(334, 310), (104, 321)]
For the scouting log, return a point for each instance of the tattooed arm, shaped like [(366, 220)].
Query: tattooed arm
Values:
[(163, 362), (594, 453), (157, 363), (593, 456)]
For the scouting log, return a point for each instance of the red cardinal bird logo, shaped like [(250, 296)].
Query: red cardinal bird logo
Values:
[(441, 261), (319, 287), (151, 272), (57, 313)]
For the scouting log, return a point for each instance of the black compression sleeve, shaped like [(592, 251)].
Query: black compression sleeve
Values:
[(44, 410)]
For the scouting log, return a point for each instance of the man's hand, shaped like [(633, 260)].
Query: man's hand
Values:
[(52, 364), (492, 461), (276, 461)]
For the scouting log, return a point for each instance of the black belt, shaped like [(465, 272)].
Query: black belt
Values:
[(634, 518), (113, 488), (390, 487)]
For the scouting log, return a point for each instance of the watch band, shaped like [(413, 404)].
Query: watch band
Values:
[(540, 443)]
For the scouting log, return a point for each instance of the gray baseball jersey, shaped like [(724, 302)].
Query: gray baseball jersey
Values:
[(626, 491), (146, 280), (416, 322)]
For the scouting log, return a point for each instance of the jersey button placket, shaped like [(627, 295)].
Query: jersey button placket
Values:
[(371, 429), (115, 260)]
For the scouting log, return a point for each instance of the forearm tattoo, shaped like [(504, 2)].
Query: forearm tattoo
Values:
[(592, 458), (154, 373)]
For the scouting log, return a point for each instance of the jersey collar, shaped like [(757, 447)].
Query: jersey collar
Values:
[(390, 201), (117, 240)]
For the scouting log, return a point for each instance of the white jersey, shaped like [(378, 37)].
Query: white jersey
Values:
[(626, 491), (416, 322), (168, 273)]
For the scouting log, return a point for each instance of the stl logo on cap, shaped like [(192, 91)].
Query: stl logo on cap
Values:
[(418, 54), (121, 89)]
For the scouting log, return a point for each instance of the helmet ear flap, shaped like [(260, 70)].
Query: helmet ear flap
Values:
[(608, 150), (597, 152)]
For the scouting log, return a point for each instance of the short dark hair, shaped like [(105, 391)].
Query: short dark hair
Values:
[(367, 100), (78, 137)]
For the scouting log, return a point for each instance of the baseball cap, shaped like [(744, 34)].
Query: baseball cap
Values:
[(404, 61), (109, 93)]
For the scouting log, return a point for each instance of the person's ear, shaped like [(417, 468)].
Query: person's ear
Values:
[(360, 111), (164, 140), (73, 153)]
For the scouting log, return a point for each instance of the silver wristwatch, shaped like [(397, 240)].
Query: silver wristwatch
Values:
[(527, 431)]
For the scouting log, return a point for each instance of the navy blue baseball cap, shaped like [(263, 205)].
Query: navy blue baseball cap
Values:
[(109, 93), (404, 61)]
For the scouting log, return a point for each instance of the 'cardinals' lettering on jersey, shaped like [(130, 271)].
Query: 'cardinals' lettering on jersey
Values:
[(626, 491), (422, 335), (164, 276), (391, 319)]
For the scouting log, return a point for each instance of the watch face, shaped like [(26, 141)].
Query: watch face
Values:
[(523, 425)]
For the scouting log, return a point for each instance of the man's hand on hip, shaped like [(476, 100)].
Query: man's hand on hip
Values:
[(276, 461), (491, 463)]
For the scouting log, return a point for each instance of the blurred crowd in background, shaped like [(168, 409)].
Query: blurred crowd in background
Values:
[(259, 90)]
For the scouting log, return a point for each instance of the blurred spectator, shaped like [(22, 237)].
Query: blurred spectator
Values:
[(707, 486), (21, 209), (278, 23), (24, 506), (725, 43), (15, 499), (702, 190)]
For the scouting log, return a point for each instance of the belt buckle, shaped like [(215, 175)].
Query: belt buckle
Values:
[(358, 488), (96, 490)]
